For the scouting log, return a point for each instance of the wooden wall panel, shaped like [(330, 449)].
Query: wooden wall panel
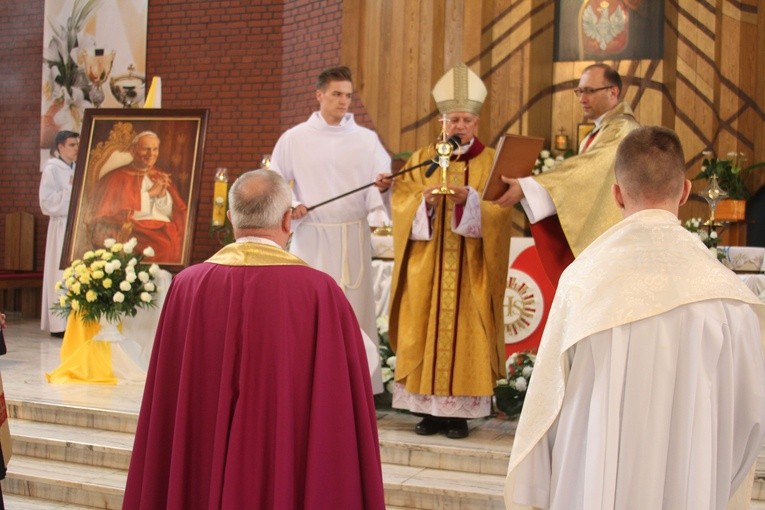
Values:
[(709, 86)]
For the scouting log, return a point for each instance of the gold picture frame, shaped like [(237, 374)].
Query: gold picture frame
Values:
[(116, 195)]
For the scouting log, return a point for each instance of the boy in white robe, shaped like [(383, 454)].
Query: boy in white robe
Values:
[(55, 193), (649, 386), (324, 157)]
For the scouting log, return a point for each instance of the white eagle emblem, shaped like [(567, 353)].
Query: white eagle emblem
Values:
[(604, 28)]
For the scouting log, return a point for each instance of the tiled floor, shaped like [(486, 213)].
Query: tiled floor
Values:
[(31, 353)]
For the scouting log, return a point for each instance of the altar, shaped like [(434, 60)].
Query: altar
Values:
[(749, 263), (86, 360), (528, 293)]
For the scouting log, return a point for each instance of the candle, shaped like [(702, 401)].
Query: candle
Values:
[(220, 197), (561, 140)]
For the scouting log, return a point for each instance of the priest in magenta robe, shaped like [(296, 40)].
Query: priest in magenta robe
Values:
[(258, 393)]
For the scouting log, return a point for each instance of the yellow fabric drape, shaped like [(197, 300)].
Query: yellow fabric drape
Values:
[(446, 295), (82, 358)]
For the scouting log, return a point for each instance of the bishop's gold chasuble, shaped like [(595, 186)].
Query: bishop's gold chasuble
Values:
[(446, 297)]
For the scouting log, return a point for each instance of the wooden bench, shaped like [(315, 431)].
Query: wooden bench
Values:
[(21, 290), (20, 285)]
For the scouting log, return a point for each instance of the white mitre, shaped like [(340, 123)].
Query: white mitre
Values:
[(459, 90)]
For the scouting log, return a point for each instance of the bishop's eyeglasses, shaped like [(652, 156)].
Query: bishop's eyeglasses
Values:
[(586, 91)]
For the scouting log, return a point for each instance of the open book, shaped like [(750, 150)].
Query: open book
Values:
[(515, 157)]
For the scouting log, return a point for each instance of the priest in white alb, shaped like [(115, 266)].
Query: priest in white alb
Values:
[(649, 386)]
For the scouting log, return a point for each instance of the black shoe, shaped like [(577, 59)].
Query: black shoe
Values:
[(57, 334), (456, 428), (428, 426)]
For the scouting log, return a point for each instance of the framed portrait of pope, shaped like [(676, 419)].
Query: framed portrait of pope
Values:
[(137, 175)]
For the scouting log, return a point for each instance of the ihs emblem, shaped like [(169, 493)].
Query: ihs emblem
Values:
[(523, 306)]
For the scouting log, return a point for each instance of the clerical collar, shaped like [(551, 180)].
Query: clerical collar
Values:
[(471, 150), (465, 147), (259, 240)]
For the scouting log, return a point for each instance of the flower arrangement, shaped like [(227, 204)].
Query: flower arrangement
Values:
[(511, 392), (731, 173), (545, 161), (708, 236), (108, 283)]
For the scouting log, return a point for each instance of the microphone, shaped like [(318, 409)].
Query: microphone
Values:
[(454, 141)]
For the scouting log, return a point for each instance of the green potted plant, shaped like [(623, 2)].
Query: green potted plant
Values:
[(731, 177)]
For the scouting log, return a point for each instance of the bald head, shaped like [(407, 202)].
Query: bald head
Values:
[(258, 201), (650, 170)]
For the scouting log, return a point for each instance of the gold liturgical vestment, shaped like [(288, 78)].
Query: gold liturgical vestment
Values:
[(446, 321), (580, 187)]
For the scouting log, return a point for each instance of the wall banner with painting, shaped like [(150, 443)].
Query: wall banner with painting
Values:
[(94, 55), (609, 30)]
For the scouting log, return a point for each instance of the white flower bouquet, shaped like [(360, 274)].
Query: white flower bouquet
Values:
[(545, 161), (707, 235), (387, 357), (108, 283), (510, 393)]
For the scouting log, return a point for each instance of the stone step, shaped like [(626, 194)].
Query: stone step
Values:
[(73, 464), (86, 468), (758, 488), (16, 502), (88, 436), (91, 418), (485, 451), (431, 489), (65, 482), (445, 457), (68, 443), (405, 486)]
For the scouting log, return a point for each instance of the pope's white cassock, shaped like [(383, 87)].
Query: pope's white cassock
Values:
[(325, 161), (649, 387), (55, 193)]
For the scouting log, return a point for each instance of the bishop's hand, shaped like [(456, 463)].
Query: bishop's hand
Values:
[(431, 200), (460, 195)]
